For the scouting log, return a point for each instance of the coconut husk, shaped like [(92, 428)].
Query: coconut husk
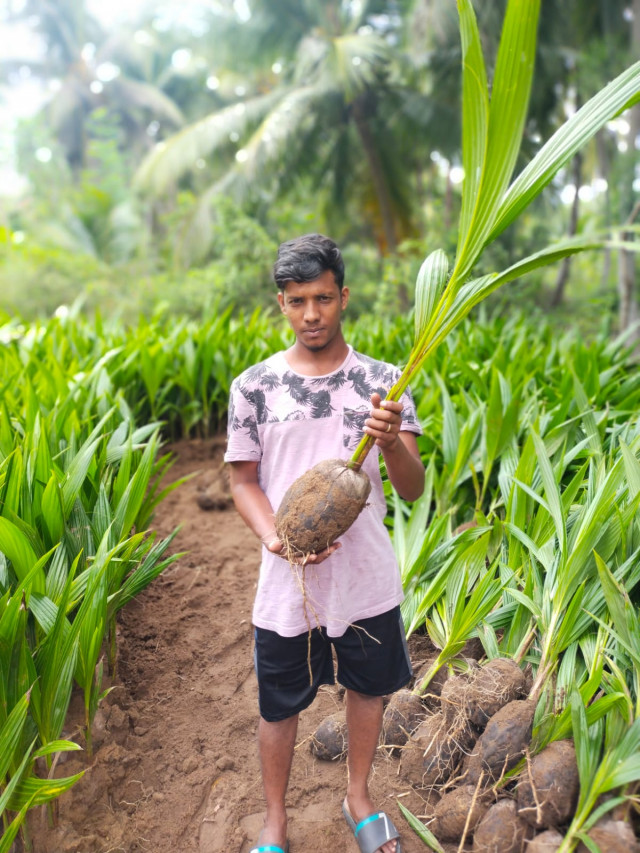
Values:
[(546, 842), (329, 741), (503, 742), (612, 836), (433, 753), (490, 688), (479, 693), (451, 697), (459, 810), (500, 830), (402, 716), (319, 507), (549, 786)]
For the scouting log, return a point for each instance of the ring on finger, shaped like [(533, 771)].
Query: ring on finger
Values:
[(388, 429)]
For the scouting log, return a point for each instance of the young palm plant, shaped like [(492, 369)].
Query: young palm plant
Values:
[(493, 125)]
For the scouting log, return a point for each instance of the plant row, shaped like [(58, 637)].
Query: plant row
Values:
[(528, 539), (78, 484)]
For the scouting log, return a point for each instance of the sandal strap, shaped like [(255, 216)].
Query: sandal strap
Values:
[(268, 848), (374, 831)]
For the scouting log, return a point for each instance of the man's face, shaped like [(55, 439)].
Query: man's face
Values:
[(314, 309)]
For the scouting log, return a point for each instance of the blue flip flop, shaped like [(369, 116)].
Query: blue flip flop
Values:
[(270, 848), (372, 832)]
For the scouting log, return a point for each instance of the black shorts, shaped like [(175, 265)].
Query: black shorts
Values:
[(372, 659)]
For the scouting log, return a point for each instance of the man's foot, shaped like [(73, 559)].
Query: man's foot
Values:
[(274, 833), (361, 807)]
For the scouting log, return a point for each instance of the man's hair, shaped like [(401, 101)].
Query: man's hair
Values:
[(306, 258)]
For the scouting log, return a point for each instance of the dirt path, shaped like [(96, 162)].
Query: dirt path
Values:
[(175, 768)]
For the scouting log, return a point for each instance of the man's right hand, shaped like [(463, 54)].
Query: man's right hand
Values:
[(275, 546)]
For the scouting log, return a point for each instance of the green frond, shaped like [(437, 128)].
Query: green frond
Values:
[(171, 159)]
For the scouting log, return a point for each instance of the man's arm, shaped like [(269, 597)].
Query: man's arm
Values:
[(399, 448), (257, 513), (253, 505)]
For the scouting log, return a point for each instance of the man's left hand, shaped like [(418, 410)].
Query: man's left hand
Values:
[(385, 422)]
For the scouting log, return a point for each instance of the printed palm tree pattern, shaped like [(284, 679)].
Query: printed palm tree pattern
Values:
[(263, 390)]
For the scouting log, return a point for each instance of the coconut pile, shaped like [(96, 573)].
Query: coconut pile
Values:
[(466, 746)]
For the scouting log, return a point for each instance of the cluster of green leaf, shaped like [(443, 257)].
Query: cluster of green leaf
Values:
[(547, 573), (544, 570), (176, 180), (530, 436), (77, 478), (528, 533)]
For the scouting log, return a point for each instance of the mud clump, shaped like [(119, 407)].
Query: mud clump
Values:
[(463, 807), (320, 506), (614, 836), (490, 688), (503, 742), (548, 789), (433, 753), (500, 830), (546, 842), (483, 690), (402, 716), (329, 741)]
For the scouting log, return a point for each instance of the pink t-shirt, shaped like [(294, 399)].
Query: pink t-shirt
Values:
[(288, 422)]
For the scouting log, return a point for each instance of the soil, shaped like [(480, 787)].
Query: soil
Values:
[(175, 767)]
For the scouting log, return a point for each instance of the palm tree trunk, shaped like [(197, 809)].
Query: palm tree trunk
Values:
[(377, 175), (629, 311), (565, 267)]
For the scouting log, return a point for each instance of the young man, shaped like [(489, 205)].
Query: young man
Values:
[(300, 406)]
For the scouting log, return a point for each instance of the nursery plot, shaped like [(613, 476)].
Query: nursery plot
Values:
[(175, 764)]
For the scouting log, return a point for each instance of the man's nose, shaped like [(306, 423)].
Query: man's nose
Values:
[(310, 311)]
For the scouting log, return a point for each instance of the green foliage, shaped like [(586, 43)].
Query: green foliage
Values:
[(76, 478), (348, 121)]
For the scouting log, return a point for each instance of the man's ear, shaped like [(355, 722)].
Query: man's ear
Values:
[(344, 297), (281, 301)]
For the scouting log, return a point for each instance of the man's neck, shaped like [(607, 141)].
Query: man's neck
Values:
[(317, 362)]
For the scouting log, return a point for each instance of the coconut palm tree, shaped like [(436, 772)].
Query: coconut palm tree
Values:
[(79, 64), (334, 104)]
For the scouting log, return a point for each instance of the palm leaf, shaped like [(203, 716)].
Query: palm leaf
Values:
[(565, 143), (420, 829), (171, 159), (475, 116)]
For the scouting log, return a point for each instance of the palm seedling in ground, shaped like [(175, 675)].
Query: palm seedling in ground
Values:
[(312, 514)]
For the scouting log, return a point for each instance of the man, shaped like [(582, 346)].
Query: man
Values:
[(300, 406)]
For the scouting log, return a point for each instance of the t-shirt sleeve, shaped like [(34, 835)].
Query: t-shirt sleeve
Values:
[(243, 441), (410, 421)]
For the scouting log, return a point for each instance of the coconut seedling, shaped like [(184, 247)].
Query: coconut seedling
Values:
[(562, 539), (493, 126), (600, 771)]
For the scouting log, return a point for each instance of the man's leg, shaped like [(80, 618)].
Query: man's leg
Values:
[(364, 721), (276, 742)]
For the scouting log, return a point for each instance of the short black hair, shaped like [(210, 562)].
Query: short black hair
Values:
[(306, 258)]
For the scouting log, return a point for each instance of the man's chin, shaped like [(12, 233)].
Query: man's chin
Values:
[(313, 346)]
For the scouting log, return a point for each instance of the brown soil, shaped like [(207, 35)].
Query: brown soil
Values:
[(175, 768)]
